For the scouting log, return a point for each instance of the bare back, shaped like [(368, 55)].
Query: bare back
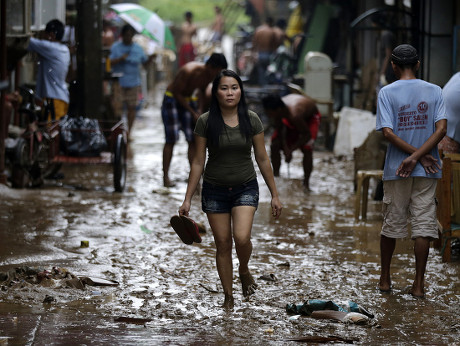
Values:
[(265, 39), (193, 75), (301, 108)]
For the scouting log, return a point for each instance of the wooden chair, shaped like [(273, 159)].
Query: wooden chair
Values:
[(448, 209), (362, 190)]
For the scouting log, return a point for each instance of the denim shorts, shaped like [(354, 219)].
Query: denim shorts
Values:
[(221, 199)]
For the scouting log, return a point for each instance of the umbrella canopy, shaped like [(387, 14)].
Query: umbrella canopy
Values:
[(146, 23)]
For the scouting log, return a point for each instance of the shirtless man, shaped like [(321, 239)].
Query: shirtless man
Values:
[(218, 25), (180, 111), (187, 51), (280, 32), (264, 44), (296, 120)]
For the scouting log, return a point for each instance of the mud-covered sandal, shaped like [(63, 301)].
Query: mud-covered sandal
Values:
[(179, 227)]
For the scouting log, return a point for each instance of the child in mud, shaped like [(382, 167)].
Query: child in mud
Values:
[(230, 192), (412, 116)]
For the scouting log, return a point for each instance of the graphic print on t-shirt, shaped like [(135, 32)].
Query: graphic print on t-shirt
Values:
[(413, 120)]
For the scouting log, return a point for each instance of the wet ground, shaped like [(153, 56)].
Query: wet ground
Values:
[(315, 250)]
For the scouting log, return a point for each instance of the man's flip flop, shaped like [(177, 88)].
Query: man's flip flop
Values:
[(192, 228), (179, 227)]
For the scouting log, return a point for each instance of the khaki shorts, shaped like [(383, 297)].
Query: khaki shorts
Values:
[(121, 96), (409, 200)]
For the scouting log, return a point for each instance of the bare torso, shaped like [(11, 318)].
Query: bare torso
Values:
[(264, 39), (218, 25), (188, 31), (191, 76)]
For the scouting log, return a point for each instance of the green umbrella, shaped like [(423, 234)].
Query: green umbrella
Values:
[(146, 23)]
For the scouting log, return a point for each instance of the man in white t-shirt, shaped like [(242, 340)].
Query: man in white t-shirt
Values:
[(412, 116)]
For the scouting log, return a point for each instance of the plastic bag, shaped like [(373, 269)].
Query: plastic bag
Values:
[(81, 136)]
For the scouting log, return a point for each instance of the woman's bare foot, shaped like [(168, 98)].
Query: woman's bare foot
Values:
[(384, 285), (228, 302), (248, 284), (417, 292), (167, 182)]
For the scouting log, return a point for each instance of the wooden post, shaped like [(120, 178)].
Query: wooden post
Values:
[(3, 78)]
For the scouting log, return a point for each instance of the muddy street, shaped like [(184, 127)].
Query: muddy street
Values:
[(166, 292)]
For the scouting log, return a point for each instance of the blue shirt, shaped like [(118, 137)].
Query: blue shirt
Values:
[(54, 60), (451, 94), (129, 68), (411, 109)]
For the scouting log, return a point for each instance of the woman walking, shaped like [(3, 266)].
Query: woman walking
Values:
[(230, 192)]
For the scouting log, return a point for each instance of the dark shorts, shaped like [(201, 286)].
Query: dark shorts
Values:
[(221, 199), (176, 118)]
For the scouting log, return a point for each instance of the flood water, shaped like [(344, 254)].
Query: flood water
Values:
[(316, 250)]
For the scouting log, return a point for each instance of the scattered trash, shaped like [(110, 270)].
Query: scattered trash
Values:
[(209, 289), (132, 320), (269, 330), (285, 264), (269, 277), (48, 299), (327, 309), (75, 283), (321, 339), (145, 229), (55, 278), (92, 281), (84, 243), (164, 191), (294, 318)]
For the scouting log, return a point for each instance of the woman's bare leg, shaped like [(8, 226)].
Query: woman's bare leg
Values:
[(222, 232), (243, 217)]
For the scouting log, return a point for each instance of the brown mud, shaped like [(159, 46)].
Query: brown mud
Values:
[(169, 292)]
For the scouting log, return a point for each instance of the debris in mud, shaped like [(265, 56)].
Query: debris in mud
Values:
[(322, 309), (134, 320), (269, 277), (341, 316), (92, 281), (285, 264), (164, 191), (321, 339), (209, 289), (49, 299), (55, 278)]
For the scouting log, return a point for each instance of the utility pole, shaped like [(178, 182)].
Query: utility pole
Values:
[(3, 81), (88, 90)]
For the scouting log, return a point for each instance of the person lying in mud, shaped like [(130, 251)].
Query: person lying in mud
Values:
[(296, 120), (230, 192), (412, 116)]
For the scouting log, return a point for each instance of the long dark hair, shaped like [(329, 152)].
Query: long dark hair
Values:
[(215, 124)]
